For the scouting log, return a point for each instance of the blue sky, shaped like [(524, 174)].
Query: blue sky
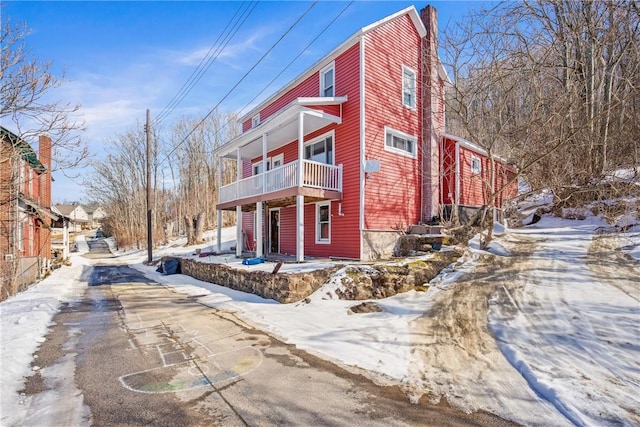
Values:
[(120, 58)]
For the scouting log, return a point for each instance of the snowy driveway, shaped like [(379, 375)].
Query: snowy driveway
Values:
[(562, 344)]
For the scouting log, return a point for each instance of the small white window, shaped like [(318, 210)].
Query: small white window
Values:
[(408, 87), (323, 222), (255, 121), (400, 142), (476, 166), (328, 81)]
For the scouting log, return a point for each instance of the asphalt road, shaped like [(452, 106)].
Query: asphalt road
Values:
[(146, 355)]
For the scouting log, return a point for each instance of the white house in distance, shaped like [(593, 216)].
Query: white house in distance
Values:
[(96, 215), (77, 216)]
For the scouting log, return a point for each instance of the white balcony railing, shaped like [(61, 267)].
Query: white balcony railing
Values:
[(316, 175)]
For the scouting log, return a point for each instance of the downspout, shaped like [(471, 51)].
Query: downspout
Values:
[(362, 147)]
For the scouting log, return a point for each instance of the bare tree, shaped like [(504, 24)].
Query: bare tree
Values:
[(194, 141), (550, 84), (119, 185), (26, 89)]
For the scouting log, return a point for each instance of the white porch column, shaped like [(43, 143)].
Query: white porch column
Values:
[(300, 228), (259, 229), (300, 148), (219, 237), (264, 162), (300, 198), (65, 238), (239, 239), (219, 212)]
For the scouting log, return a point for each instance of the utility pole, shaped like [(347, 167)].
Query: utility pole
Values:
[(147, 129)]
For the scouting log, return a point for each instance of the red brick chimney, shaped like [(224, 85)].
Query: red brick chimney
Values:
[(44, 196), (44, 148), (433, 115)]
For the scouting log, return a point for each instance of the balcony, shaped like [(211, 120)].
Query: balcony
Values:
[(280, 186)]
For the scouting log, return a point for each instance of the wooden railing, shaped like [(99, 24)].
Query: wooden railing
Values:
[(315, 174)]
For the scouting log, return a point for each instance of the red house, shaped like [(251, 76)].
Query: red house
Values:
[(25, 211), (346, 155)]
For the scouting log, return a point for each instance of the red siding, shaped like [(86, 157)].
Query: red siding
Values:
[(448, 171), (473, 187), (392, 197), (345, 234)]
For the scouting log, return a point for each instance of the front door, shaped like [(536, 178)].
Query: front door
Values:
[(274, 231)]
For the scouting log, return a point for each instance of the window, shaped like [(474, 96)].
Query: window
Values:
[(257, 168), (408, 87), (255, 121), (323, 222), (400, 143), (320, 150), (327, 81), (476, 166)]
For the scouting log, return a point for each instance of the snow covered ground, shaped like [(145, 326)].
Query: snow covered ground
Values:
[(567, 330)]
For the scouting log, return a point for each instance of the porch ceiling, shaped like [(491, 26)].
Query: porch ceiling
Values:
[(281, 128)]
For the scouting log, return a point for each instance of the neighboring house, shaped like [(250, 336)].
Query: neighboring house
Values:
[(96, 214), (75, 213), (25, 211), (345, 156)]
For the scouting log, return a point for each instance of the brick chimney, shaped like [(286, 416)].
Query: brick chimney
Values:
[(44, 196), (44, 148), (433, 115)]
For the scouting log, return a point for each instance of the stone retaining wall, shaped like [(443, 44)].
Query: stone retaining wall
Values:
[(284, 288)]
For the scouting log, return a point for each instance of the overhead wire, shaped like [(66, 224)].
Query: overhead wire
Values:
[(207, 61), (228, 123), (240, 81)]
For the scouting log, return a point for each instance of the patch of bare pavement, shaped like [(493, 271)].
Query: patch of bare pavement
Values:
[(146, 355)]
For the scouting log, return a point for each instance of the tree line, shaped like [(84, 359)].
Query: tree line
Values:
[(552, 85)]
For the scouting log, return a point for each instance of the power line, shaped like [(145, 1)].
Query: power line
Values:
[(290, 62), (205, 63), (241, 80)]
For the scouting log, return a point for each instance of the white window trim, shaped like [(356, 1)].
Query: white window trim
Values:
[(326, 69), (476, 170), (388, 130), (255, 120), (320, 138), (318, 240), (415, 87), (274, 159)]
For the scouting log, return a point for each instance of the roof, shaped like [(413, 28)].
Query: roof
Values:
[(282, 126), (471, 146), (66, 209), (411, 11), (24, 149)]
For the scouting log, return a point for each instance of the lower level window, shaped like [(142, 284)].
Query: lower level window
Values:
[(323, 222)]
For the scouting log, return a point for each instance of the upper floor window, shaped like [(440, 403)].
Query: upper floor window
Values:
[(408, 87), (320, 150), (255, 120), (400, 142), (476, 166), (328, 81)]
